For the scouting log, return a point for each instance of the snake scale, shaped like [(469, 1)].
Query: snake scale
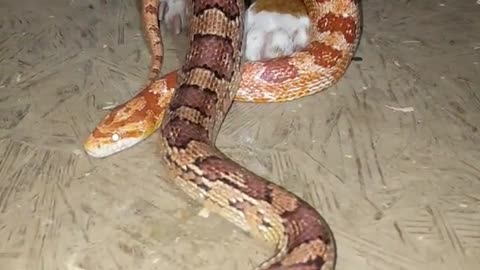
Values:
[(190, 107)]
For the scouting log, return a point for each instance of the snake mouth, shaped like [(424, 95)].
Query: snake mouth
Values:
[(97, 148), (110, 140)]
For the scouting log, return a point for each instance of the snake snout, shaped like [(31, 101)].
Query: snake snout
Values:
[(108, 145)]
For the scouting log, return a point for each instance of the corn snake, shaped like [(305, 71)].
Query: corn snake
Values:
[(333, 43), (189, 107)]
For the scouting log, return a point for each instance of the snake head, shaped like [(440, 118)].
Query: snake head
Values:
[(122, 128), (102, 143), (133, 121)]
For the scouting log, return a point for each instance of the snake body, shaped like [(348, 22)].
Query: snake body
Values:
[(206, 88), (190, 107), (334, 35)]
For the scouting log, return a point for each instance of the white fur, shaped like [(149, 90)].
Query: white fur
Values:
[(175, 12), (268, 34), (273, 34)]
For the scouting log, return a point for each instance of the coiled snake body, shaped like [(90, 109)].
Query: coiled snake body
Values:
[(205, 88)]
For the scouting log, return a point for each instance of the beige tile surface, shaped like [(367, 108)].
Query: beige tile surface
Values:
[(401, 190)]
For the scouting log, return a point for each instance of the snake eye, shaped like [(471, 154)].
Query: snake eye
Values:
[(115, 137)]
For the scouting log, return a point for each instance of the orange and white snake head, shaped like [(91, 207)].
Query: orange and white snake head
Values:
[(133, 121), (124, 127)]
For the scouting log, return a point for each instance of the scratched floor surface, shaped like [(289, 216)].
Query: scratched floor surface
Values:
[(390, 156)]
